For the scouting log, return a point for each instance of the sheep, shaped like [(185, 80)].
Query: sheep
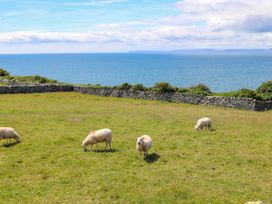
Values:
[(204, 122), (143, 144), (8, 133), (95, 137)]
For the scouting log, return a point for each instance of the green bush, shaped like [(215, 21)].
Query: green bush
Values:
[(94, 86), (4, 73), (265, 90), (35, 79), (124, 86), (138, 87), (200, 89), (245, 93), (97, 86), (163, 87), (183, 90)]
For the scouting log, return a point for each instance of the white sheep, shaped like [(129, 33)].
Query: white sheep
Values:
[(95, 137), (9, 133), (143, 144), (204, 122)]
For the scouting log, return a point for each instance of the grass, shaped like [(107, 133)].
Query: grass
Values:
[(2, 84), (230, 165)]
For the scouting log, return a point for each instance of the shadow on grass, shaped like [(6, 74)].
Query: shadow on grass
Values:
[(151, 158), (9, 145), (104, 151), (207, 130)]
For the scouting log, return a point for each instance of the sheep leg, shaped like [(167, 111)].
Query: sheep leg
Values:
[(97, 149), (91, 147), (106, 145), (110, 144), (84, 148), (145, 154)]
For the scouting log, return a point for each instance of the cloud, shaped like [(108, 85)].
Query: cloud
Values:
[(94, 2), (36, 37), (200, 24), (163, 37), (236, 15), (256, 24)]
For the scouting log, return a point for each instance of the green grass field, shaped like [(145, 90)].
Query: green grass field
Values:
[(232, 164)]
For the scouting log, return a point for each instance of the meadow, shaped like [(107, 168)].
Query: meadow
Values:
[(232, 164)]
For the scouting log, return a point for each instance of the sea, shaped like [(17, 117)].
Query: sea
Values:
[(220, 70)]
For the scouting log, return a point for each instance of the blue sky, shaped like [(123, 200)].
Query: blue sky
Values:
[(48, 15), (37, 26)]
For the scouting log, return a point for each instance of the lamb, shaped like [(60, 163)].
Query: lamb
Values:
[(9, 133), (143, 144), (204, 122), (98, 136)]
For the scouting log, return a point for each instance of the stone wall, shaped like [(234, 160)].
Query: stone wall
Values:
[(241, 103), (263, 105), (231, 102), (35, 89)]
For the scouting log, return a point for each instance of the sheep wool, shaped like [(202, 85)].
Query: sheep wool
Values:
[(9, 133), (204, 122), (98, 136), (143, 144)]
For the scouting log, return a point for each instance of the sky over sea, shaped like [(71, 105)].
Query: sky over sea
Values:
[(51, 26)]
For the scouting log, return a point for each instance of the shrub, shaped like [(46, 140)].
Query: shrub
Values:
[(124, 86), (43, 80), (265, 90), (163, 87), (138, 87), (4, 73), (245, 93), (35, 79), (97, 86), (200, 89), (183, 90), (94, 85)]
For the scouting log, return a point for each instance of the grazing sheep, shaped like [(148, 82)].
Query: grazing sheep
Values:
[(95, 137), (9, 133), (204, 122), (143, 144)]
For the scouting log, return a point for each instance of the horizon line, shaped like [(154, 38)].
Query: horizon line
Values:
[(144, 51)]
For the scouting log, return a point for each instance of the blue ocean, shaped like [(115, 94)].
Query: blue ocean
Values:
[(220, 70)]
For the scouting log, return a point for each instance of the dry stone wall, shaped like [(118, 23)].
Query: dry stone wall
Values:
[(35, 89), (231, 102)]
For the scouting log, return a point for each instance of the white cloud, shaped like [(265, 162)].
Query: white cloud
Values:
[(162, 37), (238, 15), (200, 24), (94, 2)]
